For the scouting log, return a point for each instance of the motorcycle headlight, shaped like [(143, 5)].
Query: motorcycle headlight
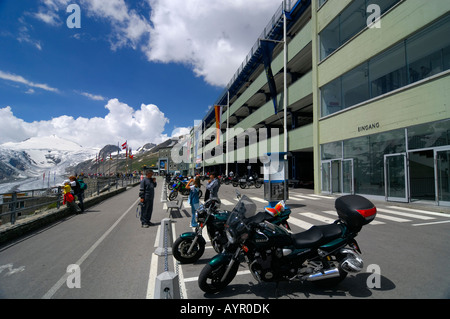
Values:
[(230, 237)]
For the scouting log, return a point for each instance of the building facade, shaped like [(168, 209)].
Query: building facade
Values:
[(367, 100)]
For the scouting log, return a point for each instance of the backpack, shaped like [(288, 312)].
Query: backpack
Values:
[(83, 185)]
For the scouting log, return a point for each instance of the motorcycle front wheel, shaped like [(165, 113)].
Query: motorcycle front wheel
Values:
[(173, 195), (210, 277), (181, 247), (258, 184), (243, 185)]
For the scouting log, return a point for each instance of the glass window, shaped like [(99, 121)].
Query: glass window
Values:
[(446, 57), (368, 159), (388, 71), (329, 39), (321, 2), (355, 86), (331, 97), (429, 135), (331, 150), (352, 20), (425, 51)]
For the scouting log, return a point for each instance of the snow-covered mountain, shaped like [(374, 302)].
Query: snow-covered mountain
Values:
[(23, 165)]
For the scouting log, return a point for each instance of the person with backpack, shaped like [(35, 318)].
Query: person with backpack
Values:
[(78, 187)]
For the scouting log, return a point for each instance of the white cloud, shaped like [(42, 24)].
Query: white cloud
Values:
[(122, 123), (93, 96), (20, 79), (212, 37)]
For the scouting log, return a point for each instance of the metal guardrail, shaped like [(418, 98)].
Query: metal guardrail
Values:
[(21, 204)]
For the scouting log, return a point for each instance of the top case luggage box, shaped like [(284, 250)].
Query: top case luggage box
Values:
[(355, 211)]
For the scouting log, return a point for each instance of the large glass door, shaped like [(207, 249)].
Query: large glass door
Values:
[(347, 176), (443, 177), (395, 177), (337, 176), (326, 177)]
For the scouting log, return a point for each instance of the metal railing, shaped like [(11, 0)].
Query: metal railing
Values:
[(22, 204)]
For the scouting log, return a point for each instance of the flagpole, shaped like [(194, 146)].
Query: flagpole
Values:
[(285, 101), (228, 129)]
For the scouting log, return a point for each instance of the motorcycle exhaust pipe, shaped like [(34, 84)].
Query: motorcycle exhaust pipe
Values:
[(330, 273)]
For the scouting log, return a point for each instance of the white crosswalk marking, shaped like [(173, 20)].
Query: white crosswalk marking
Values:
[(395, 219), (420, 211), (258, 199), (303, 197), (299, 223), (226, 202), (404, 214), (318, 217)]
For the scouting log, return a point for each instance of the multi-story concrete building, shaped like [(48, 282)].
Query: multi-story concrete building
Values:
[(367, 100)]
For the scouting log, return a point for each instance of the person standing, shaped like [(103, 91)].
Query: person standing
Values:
[(147, 194), (77, 191), (194, 199), (213, 186)]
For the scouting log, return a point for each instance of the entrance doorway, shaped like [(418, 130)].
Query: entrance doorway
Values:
[(421, 175), (418, 175), (442, 172), (337, 176)]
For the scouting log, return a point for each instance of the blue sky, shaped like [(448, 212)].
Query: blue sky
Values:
[(135, 70)]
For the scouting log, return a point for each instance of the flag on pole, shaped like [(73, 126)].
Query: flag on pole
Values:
[(131, 155), (125, 145), (218, 110), (267, 51)]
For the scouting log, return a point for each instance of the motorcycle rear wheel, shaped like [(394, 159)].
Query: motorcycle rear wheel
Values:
[(210, 277), (243, 185), (180, 250)]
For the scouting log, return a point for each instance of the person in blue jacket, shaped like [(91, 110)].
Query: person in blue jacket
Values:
[(194, 199)]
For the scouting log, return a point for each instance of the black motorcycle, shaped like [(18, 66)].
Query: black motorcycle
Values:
[(323, 254), (251, 180), (190, 246)]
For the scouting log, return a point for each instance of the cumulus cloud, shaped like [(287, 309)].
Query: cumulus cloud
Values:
[(122, 123), (213, 37)]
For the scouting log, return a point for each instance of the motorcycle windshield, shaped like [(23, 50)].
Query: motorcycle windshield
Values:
[(244, 209)]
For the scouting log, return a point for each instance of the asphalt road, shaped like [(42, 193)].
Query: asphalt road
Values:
[(104, 253)]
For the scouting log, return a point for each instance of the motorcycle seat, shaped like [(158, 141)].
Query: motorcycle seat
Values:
[(317, 236)]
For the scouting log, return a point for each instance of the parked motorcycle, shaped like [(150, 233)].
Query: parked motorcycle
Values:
[(190, 246), (180, 187), (250, 181), (323, 254)]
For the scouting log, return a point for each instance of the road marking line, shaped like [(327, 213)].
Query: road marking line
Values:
[(433, 223), (421, 211), (239, 273), (226, 202), (63, 279), (318, 217), (304, 197), (395, 219), (299, 223), (257, 199), (405, 214), (153, 272)]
